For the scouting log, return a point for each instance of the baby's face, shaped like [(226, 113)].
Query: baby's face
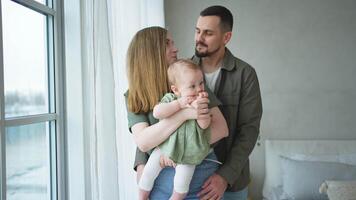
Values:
[(190, 83)]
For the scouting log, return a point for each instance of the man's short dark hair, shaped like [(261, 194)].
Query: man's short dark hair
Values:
[(226, 19)]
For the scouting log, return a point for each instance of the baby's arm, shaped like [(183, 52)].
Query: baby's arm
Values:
[(164, 110)]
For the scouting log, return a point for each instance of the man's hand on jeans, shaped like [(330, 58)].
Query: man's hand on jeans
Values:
[(213, 188)]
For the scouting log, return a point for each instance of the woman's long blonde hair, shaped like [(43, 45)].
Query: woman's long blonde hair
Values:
[(147, 69)]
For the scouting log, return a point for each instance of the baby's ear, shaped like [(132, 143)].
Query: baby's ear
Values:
[(174, 89)]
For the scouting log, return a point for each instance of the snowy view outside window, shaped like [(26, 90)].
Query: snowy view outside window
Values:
[(26, 89), (25, 60), (27, 162)]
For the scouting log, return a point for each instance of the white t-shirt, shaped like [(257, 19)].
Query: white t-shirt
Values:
[(210, 79)]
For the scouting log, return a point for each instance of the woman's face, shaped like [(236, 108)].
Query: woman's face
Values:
[(171, 50)]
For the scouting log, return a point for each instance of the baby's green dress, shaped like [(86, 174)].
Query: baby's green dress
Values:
[(189, 144)]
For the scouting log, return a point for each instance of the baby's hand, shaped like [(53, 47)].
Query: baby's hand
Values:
[(165, 161), (200, 100), (203, 95), (195, 104), (185, 101)]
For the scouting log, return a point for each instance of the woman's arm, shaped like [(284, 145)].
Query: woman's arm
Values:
[(147, 137), (218, 125)]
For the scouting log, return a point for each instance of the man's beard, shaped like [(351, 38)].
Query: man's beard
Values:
[(201, 54), (204, 54)]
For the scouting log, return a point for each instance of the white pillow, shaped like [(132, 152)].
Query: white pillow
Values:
[(275, 148), (341, 158), (339, 190)]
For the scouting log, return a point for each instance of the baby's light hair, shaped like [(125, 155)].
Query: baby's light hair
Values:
[(177, 68)]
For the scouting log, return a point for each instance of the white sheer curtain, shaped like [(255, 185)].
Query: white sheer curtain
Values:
[(107, 28)]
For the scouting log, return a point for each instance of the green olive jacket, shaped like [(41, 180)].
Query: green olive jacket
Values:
[(238, 90)]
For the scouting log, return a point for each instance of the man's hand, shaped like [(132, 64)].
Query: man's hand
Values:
[(139, 172), (165, 161), (213, 188)]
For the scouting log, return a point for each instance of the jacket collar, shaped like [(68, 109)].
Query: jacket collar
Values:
[(228, 61)]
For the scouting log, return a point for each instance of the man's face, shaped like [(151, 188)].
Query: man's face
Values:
[(209, 38)]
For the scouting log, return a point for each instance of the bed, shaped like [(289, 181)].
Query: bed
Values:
[(295, 169)]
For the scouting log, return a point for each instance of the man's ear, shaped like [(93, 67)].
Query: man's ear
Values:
[(174, 89), (227, 37)]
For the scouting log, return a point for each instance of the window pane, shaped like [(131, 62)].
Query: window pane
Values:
[(25, 60), (27, 162), (41, 1)]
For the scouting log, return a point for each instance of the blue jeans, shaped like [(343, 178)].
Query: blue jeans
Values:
[(240, 195), (163, 186)]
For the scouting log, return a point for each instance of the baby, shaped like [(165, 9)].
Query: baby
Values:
[(189, 144)]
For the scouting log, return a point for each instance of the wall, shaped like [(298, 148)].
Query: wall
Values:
[(305, 55)]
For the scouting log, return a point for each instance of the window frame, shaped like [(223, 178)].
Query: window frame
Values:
[(56, 115)]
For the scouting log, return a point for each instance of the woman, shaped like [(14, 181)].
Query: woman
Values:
[(150, 52)]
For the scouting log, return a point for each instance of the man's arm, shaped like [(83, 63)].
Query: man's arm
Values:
[(248, 125)]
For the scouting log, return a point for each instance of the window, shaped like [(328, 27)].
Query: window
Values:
[(31, 101)]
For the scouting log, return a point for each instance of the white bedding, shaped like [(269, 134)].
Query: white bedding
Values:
[(272, 189), (276, 193)]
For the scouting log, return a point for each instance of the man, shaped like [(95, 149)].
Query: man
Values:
[(236, 85)]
